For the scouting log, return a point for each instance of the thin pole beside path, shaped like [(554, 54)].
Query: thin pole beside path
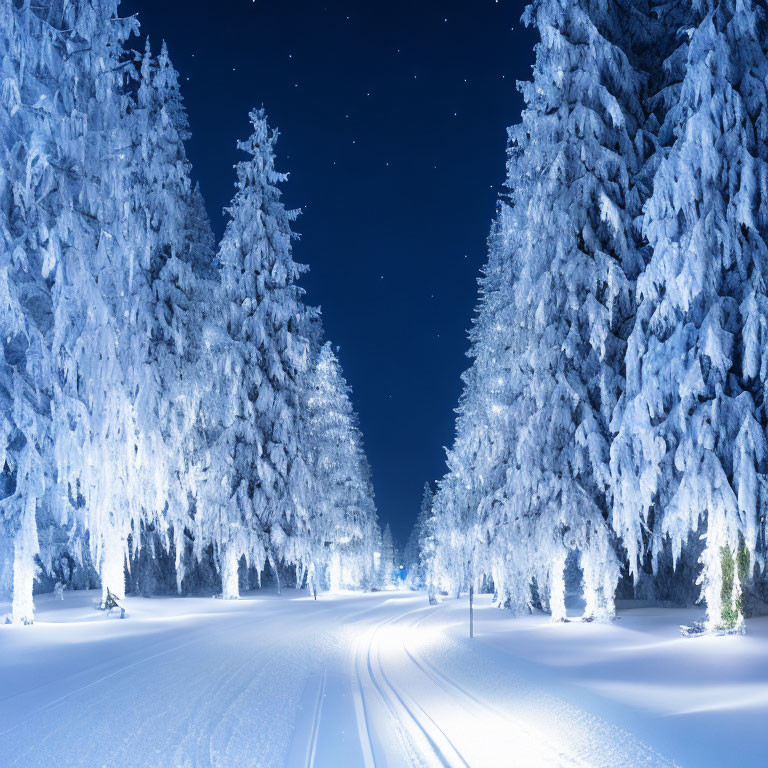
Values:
[(471, 611)]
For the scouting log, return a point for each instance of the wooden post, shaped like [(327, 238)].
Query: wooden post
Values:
[(471, 610)]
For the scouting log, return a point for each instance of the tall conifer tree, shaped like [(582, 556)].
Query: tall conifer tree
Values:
[(254, 498), (692, 453)]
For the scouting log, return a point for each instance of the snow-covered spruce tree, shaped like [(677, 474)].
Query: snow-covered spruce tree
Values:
[(28, 195), (387, 559), (342, 513), (200, 238), (528, 477), (195, 418), (428, 552), (484, 454), (110, 470), (370, 520), (252, 499), (476, 528), (652, 27), (175, 260), (451, 531), (692, 450), (202, 394), (310, 549), (15, 518), (575, 158), (413, 547), (474, 458)]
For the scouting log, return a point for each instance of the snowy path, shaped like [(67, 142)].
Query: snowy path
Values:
[(368, 681)]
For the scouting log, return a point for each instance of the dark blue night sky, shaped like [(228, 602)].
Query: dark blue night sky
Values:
[(393, 120)]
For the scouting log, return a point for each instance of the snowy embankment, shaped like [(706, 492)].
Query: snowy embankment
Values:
[(373, 680)]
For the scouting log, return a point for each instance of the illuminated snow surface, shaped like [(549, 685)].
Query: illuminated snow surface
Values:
[(373, 680)]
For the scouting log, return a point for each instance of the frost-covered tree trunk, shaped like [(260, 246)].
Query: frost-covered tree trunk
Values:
[(230, 568), (25, 549), (557, 585), (112, 565), (312, 580), (600, 575), (334, 571)]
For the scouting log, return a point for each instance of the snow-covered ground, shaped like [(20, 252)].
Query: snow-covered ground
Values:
[(373, 680)]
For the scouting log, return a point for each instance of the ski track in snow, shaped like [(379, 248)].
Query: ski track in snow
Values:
[(366, 681)]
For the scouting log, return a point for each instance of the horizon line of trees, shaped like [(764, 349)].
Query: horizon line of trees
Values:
[(615, 409), (169, 409)]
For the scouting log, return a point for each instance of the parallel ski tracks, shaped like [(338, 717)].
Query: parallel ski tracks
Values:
[(423, 740), (417, 729), (481, 711), (421, 697)]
